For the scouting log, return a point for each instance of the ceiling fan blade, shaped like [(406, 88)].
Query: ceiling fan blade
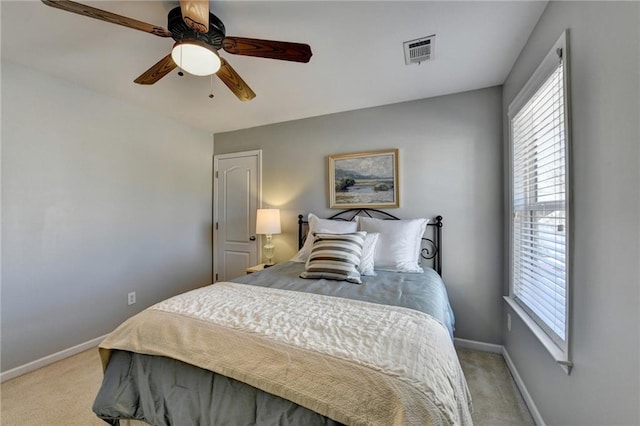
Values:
[(103, 15), (283, 50), (163, 67), (234, 82), (195, 14)]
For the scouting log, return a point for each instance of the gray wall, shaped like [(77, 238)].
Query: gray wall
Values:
[(99, 198), (450, 164), (604, 53)]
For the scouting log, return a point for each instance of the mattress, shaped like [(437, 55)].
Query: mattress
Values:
[(162, 390)]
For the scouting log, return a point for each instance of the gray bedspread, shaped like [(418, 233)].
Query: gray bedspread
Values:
[(423, 292), (163, 391)]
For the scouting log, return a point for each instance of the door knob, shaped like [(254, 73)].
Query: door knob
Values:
[(252, 238)]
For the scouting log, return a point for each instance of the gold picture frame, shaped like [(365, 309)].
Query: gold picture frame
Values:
[(364, 180)]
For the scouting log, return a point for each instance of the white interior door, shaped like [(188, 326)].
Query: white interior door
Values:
[(236, 199)]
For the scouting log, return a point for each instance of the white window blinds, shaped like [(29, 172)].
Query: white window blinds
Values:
[(539, 205)]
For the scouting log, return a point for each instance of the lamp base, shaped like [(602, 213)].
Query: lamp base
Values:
[(269, 250)]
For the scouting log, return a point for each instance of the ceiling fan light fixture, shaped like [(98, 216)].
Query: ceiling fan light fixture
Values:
[(195, 57)]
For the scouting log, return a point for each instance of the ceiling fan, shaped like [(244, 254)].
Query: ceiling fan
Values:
[(198, 36)]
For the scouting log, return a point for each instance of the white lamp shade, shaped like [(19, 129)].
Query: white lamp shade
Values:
[(195, 57), (268, 221)]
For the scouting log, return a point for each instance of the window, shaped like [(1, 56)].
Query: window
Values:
[(539, 184)]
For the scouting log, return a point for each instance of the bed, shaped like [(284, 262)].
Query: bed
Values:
[(296, 343)]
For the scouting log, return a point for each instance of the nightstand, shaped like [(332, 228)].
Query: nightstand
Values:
[(256, 268)]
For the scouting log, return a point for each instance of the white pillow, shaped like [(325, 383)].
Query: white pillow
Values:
[(399, 244), (367, 263), (325, 226)]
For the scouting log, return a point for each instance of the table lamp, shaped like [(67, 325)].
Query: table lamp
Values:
[(268, 223)]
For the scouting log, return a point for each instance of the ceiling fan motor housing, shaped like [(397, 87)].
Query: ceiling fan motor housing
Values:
[(181, 31)]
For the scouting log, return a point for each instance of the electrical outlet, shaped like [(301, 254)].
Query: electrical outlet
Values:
[(509, 322), (131, 298)]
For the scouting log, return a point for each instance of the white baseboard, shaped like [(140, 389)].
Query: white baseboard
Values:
[(478, 346), (49, 359), (537, 417)]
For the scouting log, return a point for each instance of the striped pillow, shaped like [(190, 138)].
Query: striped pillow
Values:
[(335, 257)]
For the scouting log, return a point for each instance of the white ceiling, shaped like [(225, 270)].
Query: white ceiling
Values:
[(357, 61)]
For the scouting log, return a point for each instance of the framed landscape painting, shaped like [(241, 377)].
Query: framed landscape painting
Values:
[(364, 179)]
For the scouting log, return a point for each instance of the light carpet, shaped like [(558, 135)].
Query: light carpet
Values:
[(62, 393)]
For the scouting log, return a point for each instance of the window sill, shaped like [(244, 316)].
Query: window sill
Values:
[(556, 352)]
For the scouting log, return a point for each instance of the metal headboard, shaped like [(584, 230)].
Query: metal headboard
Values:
[(431, 247)]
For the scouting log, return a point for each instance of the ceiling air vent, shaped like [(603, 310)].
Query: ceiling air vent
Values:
[(419, 50)]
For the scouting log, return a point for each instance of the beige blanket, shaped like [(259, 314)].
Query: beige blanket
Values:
[(358, 363)]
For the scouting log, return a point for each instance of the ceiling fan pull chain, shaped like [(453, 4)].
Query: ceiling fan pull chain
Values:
[(180, 73), (211, 87)]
